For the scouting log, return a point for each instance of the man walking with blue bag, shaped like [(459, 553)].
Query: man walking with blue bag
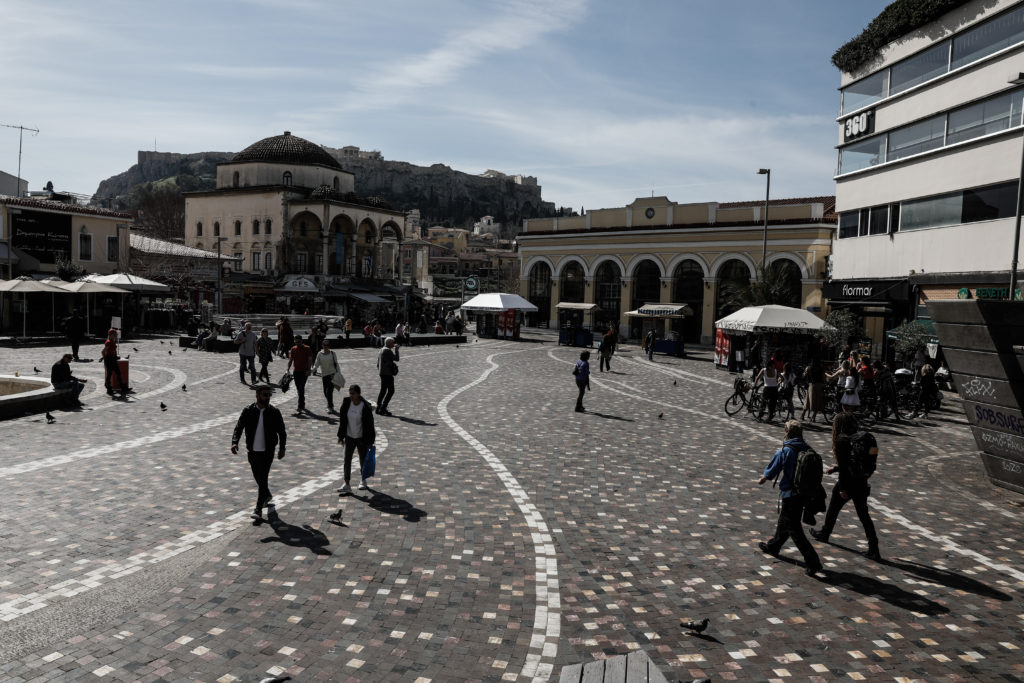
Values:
[(356, 430)]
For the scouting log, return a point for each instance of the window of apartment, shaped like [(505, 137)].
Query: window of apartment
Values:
[(302, 228), (862, 154), (268, 262), (112, 250), (255, 227), (987, 38), (239, 260), (865, 91), (199, 229), (989, 116), (234, 179), (319, 263), (971, 45), (922, 67), (84, 247), (238, 227), (919, 137), (848, 222), (300, 262), (967, 206), (286, 179), (256, 260), (266, 227), (216, 229), (878, 220)]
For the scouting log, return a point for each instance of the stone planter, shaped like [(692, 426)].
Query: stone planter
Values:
[(984, 345)]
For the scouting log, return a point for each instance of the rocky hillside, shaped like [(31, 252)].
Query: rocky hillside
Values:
[(443, 195)]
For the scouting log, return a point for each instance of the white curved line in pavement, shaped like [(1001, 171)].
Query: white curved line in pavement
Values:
[(540, 656)]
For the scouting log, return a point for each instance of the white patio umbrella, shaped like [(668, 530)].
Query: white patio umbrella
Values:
[(128, 281), (772, 318), (496, 302), (25, 285), (88, 287)]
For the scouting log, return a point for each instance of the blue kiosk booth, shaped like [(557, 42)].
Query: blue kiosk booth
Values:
[(651, 315), (575, 323)]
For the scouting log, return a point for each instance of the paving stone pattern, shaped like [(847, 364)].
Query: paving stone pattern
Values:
[(504, 536)]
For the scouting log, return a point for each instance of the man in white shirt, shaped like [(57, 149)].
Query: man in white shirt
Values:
[(264, 430)]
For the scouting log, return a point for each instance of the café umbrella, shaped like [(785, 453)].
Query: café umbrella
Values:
[(27, 285), (772, 318), (88, 287)]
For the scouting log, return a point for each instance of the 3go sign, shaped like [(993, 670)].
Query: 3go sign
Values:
[(859, 125)]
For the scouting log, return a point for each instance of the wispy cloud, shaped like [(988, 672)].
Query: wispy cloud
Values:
[(246, 72), (518, 25)]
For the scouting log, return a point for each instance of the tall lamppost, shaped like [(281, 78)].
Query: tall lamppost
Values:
[(767, 172), (1017, 80)]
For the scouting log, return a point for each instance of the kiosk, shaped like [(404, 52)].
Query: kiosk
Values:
[(575, 323)]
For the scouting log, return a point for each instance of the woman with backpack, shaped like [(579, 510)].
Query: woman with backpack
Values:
[(784, 466), (856, 454)]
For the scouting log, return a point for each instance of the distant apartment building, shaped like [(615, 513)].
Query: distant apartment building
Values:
[(929, 160)]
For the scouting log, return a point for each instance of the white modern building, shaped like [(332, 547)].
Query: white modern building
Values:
[(929, 158)]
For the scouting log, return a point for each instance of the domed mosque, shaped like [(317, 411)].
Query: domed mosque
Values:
[(287, 212)]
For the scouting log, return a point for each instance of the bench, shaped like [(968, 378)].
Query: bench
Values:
[(636, 667)]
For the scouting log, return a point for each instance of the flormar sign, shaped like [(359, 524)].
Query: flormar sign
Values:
[(857, 290)]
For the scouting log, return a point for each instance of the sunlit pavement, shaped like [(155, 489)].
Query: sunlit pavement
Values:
[(503, 537)]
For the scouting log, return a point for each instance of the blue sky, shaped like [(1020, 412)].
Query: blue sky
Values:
[(602, 100)]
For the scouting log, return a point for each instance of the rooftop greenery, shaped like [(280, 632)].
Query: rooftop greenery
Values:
[(895, 21)]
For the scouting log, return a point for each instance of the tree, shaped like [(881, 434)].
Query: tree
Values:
[(909, 337), (844, 327), (160, 207), (68, 270), (772, 286)]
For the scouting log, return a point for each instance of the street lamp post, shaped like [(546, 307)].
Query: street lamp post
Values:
[(767, 172)]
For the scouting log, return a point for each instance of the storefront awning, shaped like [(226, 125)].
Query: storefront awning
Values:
[(572, 306), (369, 298), (666, 310)]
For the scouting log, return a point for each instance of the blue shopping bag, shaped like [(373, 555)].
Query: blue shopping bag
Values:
[(369, 465)]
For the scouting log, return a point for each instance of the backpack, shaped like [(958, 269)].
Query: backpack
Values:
[(808, 474), (865, 452)]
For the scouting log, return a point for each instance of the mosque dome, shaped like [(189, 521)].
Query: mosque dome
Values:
[(287, 149)]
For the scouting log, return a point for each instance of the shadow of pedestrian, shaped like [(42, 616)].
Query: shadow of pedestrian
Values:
[(322, 418), (393, 506), (886, 592), (947, 578), (414, 421), (610, 417), (303, 536)]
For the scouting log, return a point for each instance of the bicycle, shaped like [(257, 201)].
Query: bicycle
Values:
[(738, 400)]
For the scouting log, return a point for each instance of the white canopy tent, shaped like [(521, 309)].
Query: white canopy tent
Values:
[(25, 285), (772, 318), (497, 302), (88, 287), (129, 282)]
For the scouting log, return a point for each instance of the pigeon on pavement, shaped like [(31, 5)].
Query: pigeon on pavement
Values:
[(184, 388), (50, 419), (695, 626), (36, 369), (163, 406), (661, 415)]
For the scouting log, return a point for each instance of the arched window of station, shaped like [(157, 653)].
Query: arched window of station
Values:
[(256, 227), (539, 293), (608, 294), (199, 229), (785, 277), (234, 179), (573, 283), (688, 288), (646, 284), (364, 248), (733, 276)]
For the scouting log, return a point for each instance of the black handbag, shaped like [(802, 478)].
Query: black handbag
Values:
[(285, 382)]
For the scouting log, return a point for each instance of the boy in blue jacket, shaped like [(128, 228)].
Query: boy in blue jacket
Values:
[(792, 508)]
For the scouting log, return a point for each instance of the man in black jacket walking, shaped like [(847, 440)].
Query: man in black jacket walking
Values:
[(264, 430)]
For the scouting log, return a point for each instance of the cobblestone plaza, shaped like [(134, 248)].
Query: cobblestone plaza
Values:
[(503, 537)]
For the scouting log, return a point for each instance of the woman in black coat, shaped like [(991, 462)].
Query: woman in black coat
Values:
[(355, 429)]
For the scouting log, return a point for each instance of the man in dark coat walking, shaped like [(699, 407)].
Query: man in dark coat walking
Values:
[(264, 430)]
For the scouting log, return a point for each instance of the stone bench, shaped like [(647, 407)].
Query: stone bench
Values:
[(636, 667)]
